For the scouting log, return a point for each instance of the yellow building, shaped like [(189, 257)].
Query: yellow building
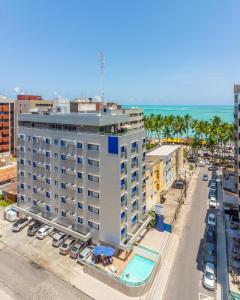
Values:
[(163, 166), (154, 182)]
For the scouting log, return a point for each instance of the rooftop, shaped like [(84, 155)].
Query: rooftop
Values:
[(163, 150)]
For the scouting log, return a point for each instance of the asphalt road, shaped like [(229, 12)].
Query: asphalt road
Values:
[(21, 279), (185, 281)]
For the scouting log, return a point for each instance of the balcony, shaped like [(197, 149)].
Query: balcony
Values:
[(71, 171), (41, 190), (40, 163), (71, 157), (71, 214), (40, 177), (71, 186), (70, 200)]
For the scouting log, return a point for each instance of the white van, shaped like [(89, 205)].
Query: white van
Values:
[(59, 238), (83, 254)]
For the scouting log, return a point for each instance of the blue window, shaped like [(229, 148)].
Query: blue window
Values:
[(34, 164), (22, 186), (93, 209), (144, 208), (93, 194), (63, 213), (79, 160), (34, 177), (48, 181), (22, 161), (80, 190), (134, 175), (22, 174), (123, 231), (48, 168), (34, 190), (63, 157), (79, 175), (34, 202), (56, 141), (48, 154), (34, 139), (122, 183), (47, 208), (22, 198), (79, 145), (63, 199), (48, 194), (134, 220), (144, 195), (63, 143), (92, 162), (93, 225), (21, 137), (122, 149), (123, 199), (63, 171), (63, 185), (122, 215), (93, 178), (34, 150), (80, 220), (80, 205), (48, 141), (93, 147)]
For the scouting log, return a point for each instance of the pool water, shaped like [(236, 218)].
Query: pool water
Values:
[(138, 269)]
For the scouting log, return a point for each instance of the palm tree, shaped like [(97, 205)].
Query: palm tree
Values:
[(187, 119)]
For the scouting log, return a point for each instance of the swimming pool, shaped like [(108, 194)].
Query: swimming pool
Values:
[(137, 270)]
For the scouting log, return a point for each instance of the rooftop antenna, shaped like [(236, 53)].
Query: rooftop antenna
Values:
[(102, 61)]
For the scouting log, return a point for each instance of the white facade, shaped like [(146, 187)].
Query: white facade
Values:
[(84, 172), (237, 135)]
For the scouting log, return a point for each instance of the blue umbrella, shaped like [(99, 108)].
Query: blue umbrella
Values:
[(109, 251), (98, 250)]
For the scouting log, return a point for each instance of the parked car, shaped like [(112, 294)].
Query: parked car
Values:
[(209, 276), (83, 254), (212, 194), (44, 231), (213, 203), (76, 249), (211, 219), (20, 224), (34, 227), (211, 234), (210, 254), (66, 246), (178, 184), (205, 177), (59, 238), (201, 163)]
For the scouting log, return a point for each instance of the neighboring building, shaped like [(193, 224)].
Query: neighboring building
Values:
[(28, 103), (10, 192), (89, 104), (7, 128), (237, 136), (154, 182), (84, 173), (8, 174), (61, 105), (85, 104), (172, 158)]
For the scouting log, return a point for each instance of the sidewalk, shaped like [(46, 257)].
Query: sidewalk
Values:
[(169, 249), (222, 266)]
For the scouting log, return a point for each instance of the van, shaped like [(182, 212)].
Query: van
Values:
[(59, 238), (83, 254)]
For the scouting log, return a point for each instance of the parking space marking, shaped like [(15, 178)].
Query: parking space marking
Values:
[(202, 296)]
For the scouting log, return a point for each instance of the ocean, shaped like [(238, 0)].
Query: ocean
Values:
[(200, 112)]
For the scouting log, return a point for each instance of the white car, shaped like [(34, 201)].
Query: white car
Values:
[(201, 164), (209, 276), (211, 219), (44, 231), (213, 203)]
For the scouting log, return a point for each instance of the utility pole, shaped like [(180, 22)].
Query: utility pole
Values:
[(102, 61)]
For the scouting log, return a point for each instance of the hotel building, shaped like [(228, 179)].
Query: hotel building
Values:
[(7, 128), (237, 135), (84, 173)]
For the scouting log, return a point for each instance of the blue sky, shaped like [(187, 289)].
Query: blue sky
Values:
[(159, 52)]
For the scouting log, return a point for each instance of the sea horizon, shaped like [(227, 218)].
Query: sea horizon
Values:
[(200, 112)]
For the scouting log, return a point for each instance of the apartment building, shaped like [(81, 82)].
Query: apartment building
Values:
[(172, 158), (89, 104), (84, 173), (154, 182), (237, 136), (7, 128), (27, 103)]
